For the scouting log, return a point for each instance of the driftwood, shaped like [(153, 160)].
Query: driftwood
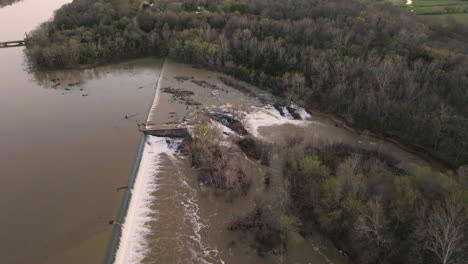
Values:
[(121, 188)]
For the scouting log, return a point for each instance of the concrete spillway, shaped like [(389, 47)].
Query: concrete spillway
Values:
[(127, 243)]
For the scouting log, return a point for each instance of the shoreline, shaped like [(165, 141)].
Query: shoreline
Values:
[(420, 152), (434, 161)]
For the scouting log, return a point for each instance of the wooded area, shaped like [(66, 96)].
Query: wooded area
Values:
[(373, 211), (7, 2), (374, 64)]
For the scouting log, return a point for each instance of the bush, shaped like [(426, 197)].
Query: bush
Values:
[(256, 149), (216, 165)]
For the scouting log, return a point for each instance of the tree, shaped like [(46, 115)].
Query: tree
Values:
[(443, 232), (372, 226)]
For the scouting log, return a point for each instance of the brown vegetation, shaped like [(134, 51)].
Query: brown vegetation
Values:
[(217, 166), (255, 149), (367, 205)]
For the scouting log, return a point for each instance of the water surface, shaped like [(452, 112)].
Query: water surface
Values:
[(65, 146)]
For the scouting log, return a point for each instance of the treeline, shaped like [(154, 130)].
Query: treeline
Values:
[(7, 2), (88, 32), (373, 211), (375, 65)]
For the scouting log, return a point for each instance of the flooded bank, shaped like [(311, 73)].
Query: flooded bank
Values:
[(177, 219), (183, 221)]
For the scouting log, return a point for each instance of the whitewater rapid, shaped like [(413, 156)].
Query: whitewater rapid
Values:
[(269, 116), (133, 245)]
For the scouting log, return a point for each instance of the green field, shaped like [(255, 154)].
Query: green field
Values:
[(460, 18), (437, 10)]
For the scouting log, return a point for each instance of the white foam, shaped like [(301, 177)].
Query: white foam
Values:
[(303, 113), (191, 211), (226, 131), (286, 113), (300, 111), (153, 109), (267, 116), (133, 246)]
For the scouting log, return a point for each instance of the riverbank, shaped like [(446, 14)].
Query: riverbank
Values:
[(434, 161), (182, 216), (177, 218), (414, 108), (56, 145)]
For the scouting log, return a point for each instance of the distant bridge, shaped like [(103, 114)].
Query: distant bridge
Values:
[(12, 44)]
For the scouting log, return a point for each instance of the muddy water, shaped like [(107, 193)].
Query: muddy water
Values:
[(64, 148), (182, 221)]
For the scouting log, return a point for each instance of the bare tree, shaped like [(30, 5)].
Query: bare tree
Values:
[(443, 231), (372, 226)]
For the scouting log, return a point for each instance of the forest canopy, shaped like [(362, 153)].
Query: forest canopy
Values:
[(378, 66), (371, 209), (7, 2)]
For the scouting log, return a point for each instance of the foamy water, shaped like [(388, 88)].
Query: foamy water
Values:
[(153, 111), (134, 242), (133, 246), (200, 252), (267, 116)]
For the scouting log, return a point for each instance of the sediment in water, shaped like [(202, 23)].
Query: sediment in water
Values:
[(181, 222), (133, 246)]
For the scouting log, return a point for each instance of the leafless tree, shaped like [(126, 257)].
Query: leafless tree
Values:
[(372, 226), (443, 231)]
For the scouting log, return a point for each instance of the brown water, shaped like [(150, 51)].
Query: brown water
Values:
[(64, 150), (175, 219)]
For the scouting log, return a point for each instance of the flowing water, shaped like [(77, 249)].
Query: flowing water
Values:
[(175, 219), (65, 146)]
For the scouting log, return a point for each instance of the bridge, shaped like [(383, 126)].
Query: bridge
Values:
[(12, 44)]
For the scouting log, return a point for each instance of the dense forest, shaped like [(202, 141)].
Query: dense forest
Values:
[(373, 211), (375, 65), (7, 2)]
